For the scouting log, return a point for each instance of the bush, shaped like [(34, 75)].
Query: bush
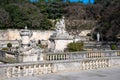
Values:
[(75, 46), (9, 45), (113, 47), (5, 49), (89, 34), (43, 46)]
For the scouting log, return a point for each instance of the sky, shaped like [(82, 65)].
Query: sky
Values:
[(84, 1)]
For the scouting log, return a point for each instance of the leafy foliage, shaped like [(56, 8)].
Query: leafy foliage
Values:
[(75, 46), (104, 14), (113, 47), (9, 45)]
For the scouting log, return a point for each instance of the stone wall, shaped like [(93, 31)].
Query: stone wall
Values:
[(14, 34)]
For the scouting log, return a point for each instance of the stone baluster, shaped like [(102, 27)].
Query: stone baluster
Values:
[(106, 63), (83, 65), (24, 71), (35, 70), (50, 57), (56, 57), (13, 72), (49, 68), (9, 72), (61, 57), (30, 70), (44, 69), (87, 65), (47, 57), (39, 69), (95, 55), (99, 54), (97, 63), (80, 65), (101, 63), (19, 71), (65, 56), (89, 55), (92, 55), (109, 62), (90, 64), (94, 64)]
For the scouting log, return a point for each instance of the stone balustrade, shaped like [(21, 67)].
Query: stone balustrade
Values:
[(58, 62), (45, 67), (81, 55)]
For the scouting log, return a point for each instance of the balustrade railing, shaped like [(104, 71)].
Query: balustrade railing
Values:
[(81, 55), (45, 67)]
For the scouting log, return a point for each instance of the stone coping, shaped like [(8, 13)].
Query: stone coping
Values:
[(48, 62), (85, 52)]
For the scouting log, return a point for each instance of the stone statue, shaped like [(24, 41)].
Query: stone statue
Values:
[(98, 36), (25, 27), (60, 26)]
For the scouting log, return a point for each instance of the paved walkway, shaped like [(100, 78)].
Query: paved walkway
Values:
[(99, 74)]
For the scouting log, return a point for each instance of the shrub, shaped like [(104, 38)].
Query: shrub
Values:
[(75, 46), (113, 47), (9, 45), (5, 49)]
